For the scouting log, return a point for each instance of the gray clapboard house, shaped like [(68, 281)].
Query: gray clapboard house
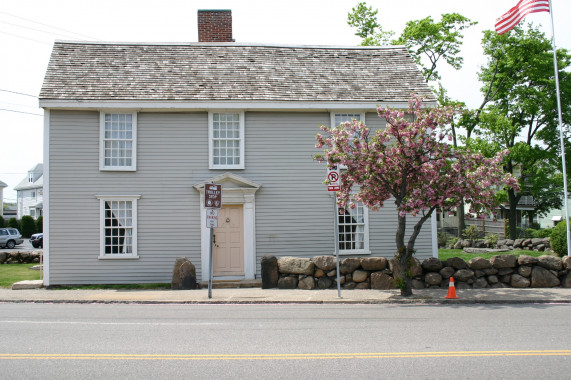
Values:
[(134, 131)]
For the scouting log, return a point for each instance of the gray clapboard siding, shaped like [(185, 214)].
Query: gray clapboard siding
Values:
[(294, 211)]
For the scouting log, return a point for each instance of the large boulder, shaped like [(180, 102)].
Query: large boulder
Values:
[(306, 283), (374, 263), (518, 281), (550, 262), (360, 275), (349, 265), (527, 260), (326, 263), (270, 273), (433, 278), (183, 275), (382, 281), (456, 263), (463, 275), (415, 270), (503, 261), (295, 265), (477, 263), (432, 264), (543, 278), (288, 282), (324, 283), (567, 262), (447, 272)]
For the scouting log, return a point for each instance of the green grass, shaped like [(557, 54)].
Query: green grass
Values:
[(11, 273), (445, 254)]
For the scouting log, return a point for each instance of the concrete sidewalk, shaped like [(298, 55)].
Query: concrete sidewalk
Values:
[(296, 296)]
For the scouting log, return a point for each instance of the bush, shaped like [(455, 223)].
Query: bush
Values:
[(442, 239), (2, 222), (559, 239), (528, 233), (13, 223), (471, 233), (40, 224), (493, 240), (28, 226), (542, 233)]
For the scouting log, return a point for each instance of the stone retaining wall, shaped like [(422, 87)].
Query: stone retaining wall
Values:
[(501, 271), (20, 257)]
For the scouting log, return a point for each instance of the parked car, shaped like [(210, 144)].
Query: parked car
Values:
[(10, 237), (37, 240)]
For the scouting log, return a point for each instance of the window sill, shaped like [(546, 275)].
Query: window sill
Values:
[(118, 257), (118, 169), (354, 253)]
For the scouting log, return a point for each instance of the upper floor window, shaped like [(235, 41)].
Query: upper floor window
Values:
[(30, 177), (226, 140), (338, 118), (118, 141)]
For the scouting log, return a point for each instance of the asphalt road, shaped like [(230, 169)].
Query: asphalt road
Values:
[(130, 341)]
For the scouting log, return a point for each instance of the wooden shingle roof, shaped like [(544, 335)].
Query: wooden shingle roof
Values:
[(220, 72)]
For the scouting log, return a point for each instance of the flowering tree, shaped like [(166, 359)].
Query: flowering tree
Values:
[(410, 162)]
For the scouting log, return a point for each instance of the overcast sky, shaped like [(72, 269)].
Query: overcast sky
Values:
[(29, 27)]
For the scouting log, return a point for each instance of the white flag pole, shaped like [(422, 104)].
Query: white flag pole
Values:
[(560, 131)]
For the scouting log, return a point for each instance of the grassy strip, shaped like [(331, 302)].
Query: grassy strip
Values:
[(445, 254), (11, 273)]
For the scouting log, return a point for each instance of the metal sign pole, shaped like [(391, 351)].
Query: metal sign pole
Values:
[(210, 266), (336, 239)]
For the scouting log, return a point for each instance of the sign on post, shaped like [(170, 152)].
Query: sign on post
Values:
[(334, 178), (212, 218), (212, 195)]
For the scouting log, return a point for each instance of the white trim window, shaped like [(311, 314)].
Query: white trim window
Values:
[(353, 230), (118, 141), (226, 140), (341, 117), (118, 227)]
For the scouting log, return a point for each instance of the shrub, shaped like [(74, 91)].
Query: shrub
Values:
[(471, 233), (542, 233), (40, 224), (2, 222), (13, 223), (528, 233), (559, 239), (493, 240), (28, 226), (442, 239)]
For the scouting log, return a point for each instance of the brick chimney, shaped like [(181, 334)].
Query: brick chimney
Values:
[(215, 25)]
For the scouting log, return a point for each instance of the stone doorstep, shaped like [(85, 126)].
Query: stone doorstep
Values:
[(230, 284), (28, 284)]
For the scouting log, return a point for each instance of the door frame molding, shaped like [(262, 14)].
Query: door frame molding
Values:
[(236, 190)]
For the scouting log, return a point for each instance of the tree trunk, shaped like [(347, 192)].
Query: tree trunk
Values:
[(461, 219), (403, 256), (512, 215)]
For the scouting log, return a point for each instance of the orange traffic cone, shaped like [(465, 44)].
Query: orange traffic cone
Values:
[(451, 289)]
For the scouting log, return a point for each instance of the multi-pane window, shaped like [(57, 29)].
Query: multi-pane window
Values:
[(226, 140), (118, 227), (343, 117), (118, 141), (353, 229)]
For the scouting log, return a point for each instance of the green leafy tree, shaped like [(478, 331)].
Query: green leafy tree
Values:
[(519, 113), (28, 226), (429, 42)]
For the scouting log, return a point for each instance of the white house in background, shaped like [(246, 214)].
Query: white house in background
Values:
[(2, 186), (30, 193)]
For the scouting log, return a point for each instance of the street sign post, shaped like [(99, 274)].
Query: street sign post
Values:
[(212, 202), (334, 185)]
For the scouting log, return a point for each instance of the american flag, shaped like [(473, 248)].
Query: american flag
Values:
[(512, 17)]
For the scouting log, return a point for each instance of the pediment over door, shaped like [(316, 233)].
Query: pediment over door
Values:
[(234, 187)]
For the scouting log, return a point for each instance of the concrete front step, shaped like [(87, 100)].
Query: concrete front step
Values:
[(28, 284), (228, 284)]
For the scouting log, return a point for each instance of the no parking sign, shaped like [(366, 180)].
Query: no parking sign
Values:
[(334, 178)]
